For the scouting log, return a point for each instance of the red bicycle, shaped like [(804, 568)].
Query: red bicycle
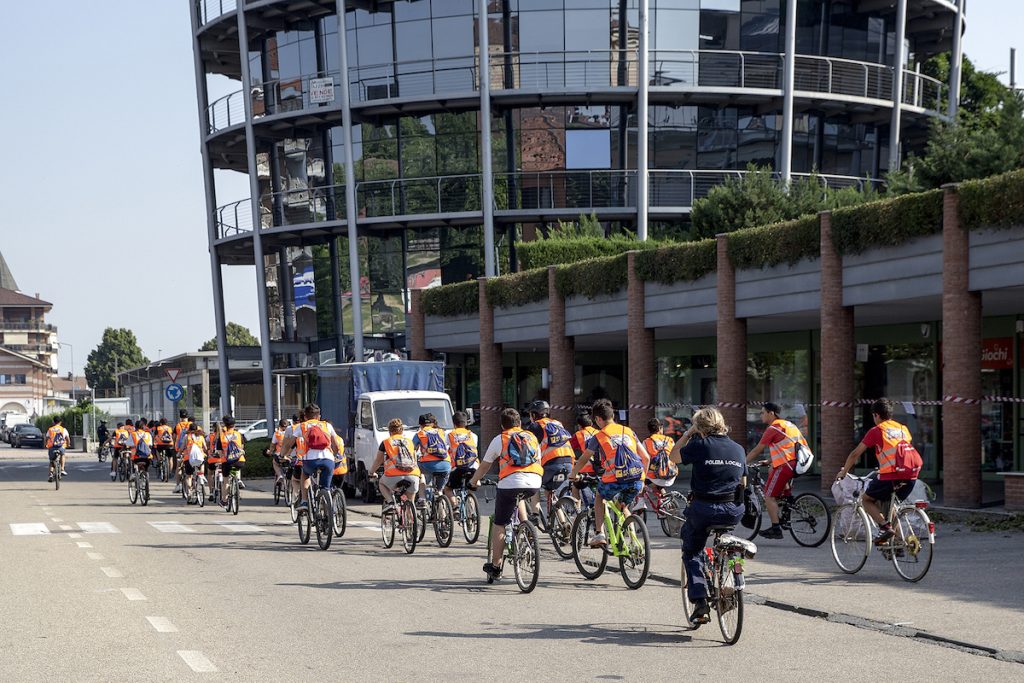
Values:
[(668, 507)]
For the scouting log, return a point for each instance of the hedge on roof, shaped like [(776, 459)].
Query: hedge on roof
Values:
[(518, 289), (462, 298), (996, 202), (771, 245), (683, 262), (554, 252), (593, 277), (887, 223)]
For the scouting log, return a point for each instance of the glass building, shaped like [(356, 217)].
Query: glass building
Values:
[(413, 147)]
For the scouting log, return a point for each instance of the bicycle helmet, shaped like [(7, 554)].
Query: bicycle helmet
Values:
[(539, 407)]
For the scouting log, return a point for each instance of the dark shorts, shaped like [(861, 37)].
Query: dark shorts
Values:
[(505, 504), (623, 491), (459, 476), (166, 449), (554, 475), (54, 452), (337, 480), (882, 490), (226, 468), (141, 463), (189, 468), (297, 471)]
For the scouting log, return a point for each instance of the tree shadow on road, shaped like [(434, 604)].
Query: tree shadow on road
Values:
[(633, 635)]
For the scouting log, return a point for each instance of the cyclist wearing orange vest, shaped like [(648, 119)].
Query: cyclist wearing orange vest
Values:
[(556, 454), (464, 454), (275, 448), (142, 445), (119, 442), (214, 457), (315, 445), (340, 463), (180, 447), (780, 438), (432, 447), (584, 430), (397, 455), (193, 455), (232, 445), (661, 472), (57, 439), (898, 464), (524, 478)]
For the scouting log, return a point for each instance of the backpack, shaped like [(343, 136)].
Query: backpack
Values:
[(804, 459), (522, 449), (556, 435), (404, 460), (908, 459), (58, 439), (142, 448), (124, 440), (465, 452), (165, 437), (234, 452), (182, 440), (627, 466), (751, 508), (661, 465), (436, 445), (316, 438)]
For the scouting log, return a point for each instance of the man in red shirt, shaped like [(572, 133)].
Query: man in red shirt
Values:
[(780, 438)]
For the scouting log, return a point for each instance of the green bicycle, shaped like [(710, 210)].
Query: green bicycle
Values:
[(628, 540)]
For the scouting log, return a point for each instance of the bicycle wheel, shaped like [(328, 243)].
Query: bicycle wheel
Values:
[(912, 547), (304, 524), (56, 478), (410, 526), (421, 522), (133, 491), (542, 519), (560, 527), (444, 528), (589, 561), (526, 557), (688, 607), (851, 537), (122, 470), (387, 527), (470, 519), (292, 510), (809, 520), (278, 490), (671, 518), (324, 520), (340, 512), (200, 487), (143, 483), (233, 496), (759, 500), (729, 604), (635, 560)]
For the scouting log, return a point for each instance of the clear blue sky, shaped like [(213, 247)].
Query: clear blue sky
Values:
[(101, 166)]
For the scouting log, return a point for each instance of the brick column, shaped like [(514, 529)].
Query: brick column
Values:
[(562, 358), (838, 353), (417, 327), (732, 349), (961, 363), (640, 352), (490, 370)]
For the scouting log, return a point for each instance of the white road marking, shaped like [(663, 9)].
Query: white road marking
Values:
[(133, 594), (56, 519), (112, 573), (31, 529), (239, 526), (365, 525), (98, 528), (197, 661), (66, 527), (172, 528), (94, 556), (83, 544), (162, 624), (74, 534)]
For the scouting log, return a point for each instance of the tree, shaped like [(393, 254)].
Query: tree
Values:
[(118, 350), (237, 335)]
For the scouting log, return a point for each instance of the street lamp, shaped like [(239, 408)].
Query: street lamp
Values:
[(60, 343)]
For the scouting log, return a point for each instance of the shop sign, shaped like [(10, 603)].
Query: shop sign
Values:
[(997, 354), (321, 90)]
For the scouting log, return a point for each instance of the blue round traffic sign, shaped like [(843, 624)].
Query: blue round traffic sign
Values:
[(174, 392)]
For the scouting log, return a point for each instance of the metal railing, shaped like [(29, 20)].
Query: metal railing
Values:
[(27, 327), (234, 218), (308, 91), (555, 70), (225, 112), (583, 190), (923, 91), (681, 188), (413, 196), (298, 206), (418, 78), (208, 10)]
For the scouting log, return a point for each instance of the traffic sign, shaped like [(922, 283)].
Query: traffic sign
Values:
[(174, 392), (172, 373)]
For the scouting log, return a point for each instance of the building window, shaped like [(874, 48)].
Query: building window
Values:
[(588, 149)]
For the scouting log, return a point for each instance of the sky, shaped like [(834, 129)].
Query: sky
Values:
[(104, 209)]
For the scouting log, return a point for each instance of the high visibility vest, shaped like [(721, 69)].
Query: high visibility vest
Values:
[(142, 435), (51, 435), (213, 450), (784, 451), (608, 449), (549, 452), (231, 436), (422, 436), (460, 436), (582, 436), (391, 457), (278, 438), (340, 462), (654, 445), (300, 442), (161, 430), (505, 459), (893, 433)]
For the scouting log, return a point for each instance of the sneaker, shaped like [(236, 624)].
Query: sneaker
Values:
[(241, 484), (774, 532), (177, 488), (63, 473), (492, 571), (701, 612), (388, 506), (211, 498), (598, 541), (884, 535), (49, 479), (457, 515), (113, 475), (304, 505)]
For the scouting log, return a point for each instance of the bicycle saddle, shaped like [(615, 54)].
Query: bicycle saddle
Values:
[(721, 528), (728, 542)]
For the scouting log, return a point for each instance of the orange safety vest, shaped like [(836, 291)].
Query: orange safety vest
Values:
[(340, 461), (142, 435), (583, 436), (549, 452), (278, 438), (604, 440), (784, 451), (160, 431), (391, 457), (458, 436), (213, 450), (233, 436), (505, 460), (421, 437), (893, 434), (52, 433), (300, 442), (190, 441), (654, 445)]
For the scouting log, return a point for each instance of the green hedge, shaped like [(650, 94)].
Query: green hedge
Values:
[(771, 245), (887, 223), (257, 464), (682, 262), (996, 202), (555, 252), (593, 277), (462, 298), (518, 289)]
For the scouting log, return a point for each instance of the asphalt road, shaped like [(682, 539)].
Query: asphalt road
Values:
[(98, 589)]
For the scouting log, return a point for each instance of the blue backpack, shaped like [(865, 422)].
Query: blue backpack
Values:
[(142, 448), (435, 444), (465, 452), (628, 465), (523, 449), (234, 452), (556, 435)]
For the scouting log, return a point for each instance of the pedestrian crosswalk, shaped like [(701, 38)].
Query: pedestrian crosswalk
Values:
[(167, 526), (41, 529)]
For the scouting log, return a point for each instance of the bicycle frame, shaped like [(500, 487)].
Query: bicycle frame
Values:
[(613, 526)]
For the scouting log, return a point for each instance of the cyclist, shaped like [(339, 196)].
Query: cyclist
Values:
[(340, 462), (163, 440), (123, 440), (716, 481), (584, 430), (315, 447), (142, 446), (519, 473), (556, 454), (395, 455), (232, 445), (464, 454), (56, 438), (621, 464), (180, 427), (432, 450), (193, 455), (662, 472), (899, 463), (275, 448), (102, 433), (214, 457), (781, 439)]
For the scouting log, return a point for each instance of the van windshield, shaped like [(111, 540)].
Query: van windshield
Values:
[(408, 410)]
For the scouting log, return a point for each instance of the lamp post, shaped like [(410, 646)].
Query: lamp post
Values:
[(60, 343)]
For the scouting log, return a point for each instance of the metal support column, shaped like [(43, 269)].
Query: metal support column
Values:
[(486, 172), (643, 83), (897, 86), (789, 87), (339, 340), (211, 222), (257, 238), (350, 187), (956, 61)]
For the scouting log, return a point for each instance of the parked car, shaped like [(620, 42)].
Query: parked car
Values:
[(27, 435), (257, 430)]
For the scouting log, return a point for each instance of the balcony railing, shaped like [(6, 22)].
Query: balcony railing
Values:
[(414, 196), (681, 188), (583, 190), (923, 91), (586, 69), (31, 348), (26, 327), (208, 10), (308, 91), (234, 218), (225, 112), (420, 78), (303, 205)]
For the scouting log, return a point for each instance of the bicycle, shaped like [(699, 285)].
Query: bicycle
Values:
[(521, 547), (339, 507), (103, 452), (160, 463), (628, 540), (668, 507), (910, 550), (400, 515), (566, 510), (138, 486), (319, 514), (468, 515), (233, 489), (722, 566), (196, 494), (437, 511), (123, 465), (218, 484), (806, 516), (55, 460), (281, 484)]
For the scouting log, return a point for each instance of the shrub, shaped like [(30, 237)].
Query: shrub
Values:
[(257, 464), (555, 252), (462, 298), (684, 262), (772, 245), (996, 202), (518, 289), (593, 277), (887, 223)]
